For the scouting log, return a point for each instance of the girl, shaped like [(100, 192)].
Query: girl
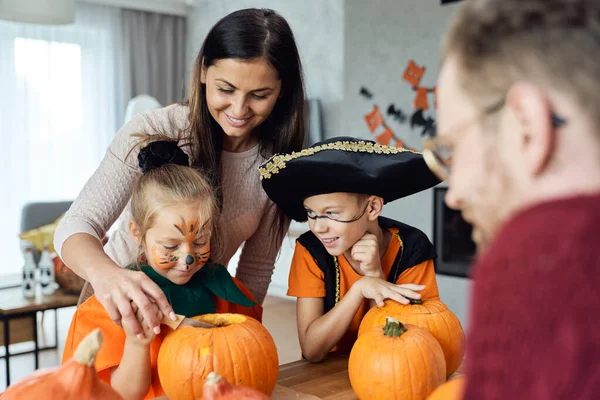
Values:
[(246, 101), (174, 214)]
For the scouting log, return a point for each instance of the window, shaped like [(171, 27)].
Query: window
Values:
[(58, 112)]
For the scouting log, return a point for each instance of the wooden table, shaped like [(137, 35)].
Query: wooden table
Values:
[(327, 379), (16, 308)]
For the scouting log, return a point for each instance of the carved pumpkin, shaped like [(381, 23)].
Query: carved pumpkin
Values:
[(431, 315), (239, 349), (451, 390), (402, 362), (217, 388), (75, 380)]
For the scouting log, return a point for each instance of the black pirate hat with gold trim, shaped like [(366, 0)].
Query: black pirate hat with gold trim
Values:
[(343, 164)]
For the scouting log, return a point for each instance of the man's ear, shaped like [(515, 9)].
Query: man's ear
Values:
[(537, 136), (135, 232), (375, 207)]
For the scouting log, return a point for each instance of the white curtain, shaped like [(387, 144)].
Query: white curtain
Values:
[(60, 105)]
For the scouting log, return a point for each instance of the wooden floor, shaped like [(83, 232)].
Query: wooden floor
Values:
[(279, 317)]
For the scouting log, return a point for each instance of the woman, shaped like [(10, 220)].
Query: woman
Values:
[(246, 102)]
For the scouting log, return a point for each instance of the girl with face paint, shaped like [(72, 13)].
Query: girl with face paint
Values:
[(174, 212)]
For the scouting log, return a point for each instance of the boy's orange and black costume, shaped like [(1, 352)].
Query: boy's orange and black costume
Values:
[(351, 165), (211, 290)]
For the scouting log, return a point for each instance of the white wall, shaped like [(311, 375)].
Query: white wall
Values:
[(318, 27)]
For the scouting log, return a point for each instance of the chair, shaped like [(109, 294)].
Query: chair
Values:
[(140, 103), (34, 215)]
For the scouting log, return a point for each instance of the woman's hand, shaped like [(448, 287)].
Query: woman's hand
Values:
[(378, 290), (119, 289)]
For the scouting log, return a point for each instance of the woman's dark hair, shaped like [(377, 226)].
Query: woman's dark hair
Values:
[(249, 34)]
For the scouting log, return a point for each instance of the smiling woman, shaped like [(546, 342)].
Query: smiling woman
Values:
[(246, 102)]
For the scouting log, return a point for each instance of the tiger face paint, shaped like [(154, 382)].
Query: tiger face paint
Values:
[(163, 258), (178, 245)]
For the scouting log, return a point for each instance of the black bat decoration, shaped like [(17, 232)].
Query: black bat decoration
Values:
[(426, 123), (396, 113), (365, 92)]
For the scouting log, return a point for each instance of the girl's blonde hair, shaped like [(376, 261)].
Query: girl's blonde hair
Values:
[(171, 184)]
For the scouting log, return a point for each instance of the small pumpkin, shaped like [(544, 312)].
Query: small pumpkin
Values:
[(238, 348), (74, 380), (431, 315), (402, 362), (451, 390), (217, 388)]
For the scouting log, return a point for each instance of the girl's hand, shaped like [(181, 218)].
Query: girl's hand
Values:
[(148, 335), (118, 288), (378, 290)]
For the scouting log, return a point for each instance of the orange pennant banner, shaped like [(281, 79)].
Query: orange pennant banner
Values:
[(421, 99), (385, 137), (374, 119), (413, 74)]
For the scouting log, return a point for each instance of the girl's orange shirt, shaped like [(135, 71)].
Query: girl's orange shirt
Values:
[(91, 315)]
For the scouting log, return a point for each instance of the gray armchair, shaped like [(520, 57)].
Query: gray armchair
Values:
[(34, 215)]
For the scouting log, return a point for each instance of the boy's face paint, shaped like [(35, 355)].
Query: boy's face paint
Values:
[(337, 237), (177, 237)]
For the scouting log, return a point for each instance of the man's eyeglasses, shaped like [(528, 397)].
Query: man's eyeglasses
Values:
[(439, 157)]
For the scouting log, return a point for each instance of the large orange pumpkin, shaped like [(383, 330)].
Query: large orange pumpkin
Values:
[(74, 380), (217, 388), (432, 315), (239, 349), (451, 390), (398, 362)]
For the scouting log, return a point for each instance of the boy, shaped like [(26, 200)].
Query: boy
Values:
[(352, 258)]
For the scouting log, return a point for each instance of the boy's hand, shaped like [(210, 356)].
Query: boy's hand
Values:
[(378, 290), (149, 334), (366, 251)]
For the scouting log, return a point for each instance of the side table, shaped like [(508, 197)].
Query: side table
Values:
[(15, 307)]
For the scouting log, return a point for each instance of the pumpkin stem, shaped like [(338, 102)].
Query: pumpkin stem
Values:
[(213, 378), (416, 301), (88, 348), (393, 327)]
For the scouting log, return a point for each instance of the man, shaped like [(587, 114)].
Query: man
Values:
[(519, 91)]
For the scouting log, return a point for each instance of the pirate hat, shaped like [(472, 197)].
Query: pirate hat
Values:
[(343, 164)]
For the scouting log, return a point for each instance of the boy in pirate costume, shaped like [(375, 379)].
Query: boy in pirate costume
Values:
[(352, 258), (174, 214)]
